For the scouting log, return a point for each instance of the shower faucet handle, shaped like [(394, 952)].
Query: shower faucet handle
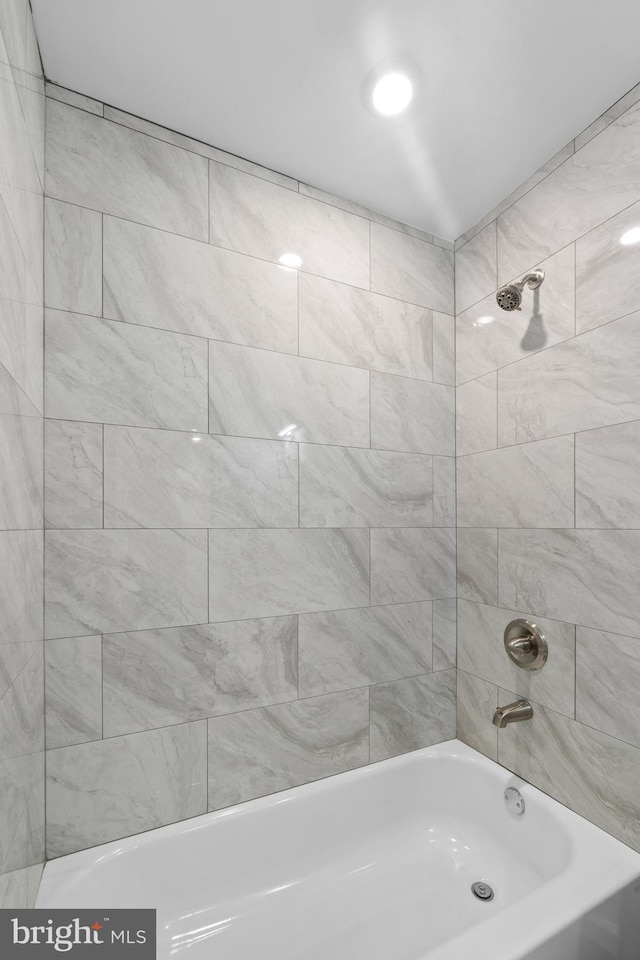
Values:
[(526, 644)]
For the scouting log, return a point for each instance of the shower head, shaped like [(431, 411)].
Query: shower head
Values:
[(510, 297)]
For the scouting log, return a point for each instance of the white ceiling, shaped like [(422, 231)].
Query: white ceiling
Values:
[(503, 85)]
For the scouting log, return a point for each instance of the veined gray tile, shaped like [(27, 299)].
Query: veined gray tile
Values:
[(266, 573), (589, 577), (481, 652), (603, 121), (13, 400), (529, 485), (607, 680), (73, 690), (114, 372), (347, 325), (163, 478), (477, 415), (607, 276), (590, 381), (411, 565), (74, 99), (444, 492), (253, 216), (13, 658), (607, 469), (476, 703), (20, 472), (342, 487), (72, 258), (414, 713), (138, 782), (563, 154), (197, 146), (591, 186), (258, 752), (410, 269), (21, 783), (351, 207), (73, 474), (586, 770), (476, 268), (103, 581), (155, 678), (22, 711), (256, 393), (110, 168), (412, 415), (21, 587), (21, 349), (343, 649), (444, 348), (444, 634), (161, 280), (478, 564), (488, 337)]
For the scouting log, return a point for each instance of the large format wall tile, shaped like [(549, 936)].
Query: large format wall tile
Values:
[(607, 683), (412, 415), (22, 711), (589, 577), (607, 277), (161, 280), (252, 216), (346, 325), (607, 470), (476, 703), (341, 487), (101, 581), (476, 268), (413, 713), (262, 751), (411, 565), (107, 167), (591, 186), (590, 381), (444, 634), (478, 564), (73, 690), (481, 652), (73, 474), (73, 258), (488, 338), (411, 269), (351, 648), (444, 492), (588, 771), (255, 393), (155, 678), (162, 478), (477, 415), (444, 348), (529, 485), (138, 782), (265, 573), (118, 373), (21, 494)]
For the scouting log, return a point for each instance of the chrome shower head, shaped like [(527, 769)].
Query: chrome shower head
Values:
[(510, 297)]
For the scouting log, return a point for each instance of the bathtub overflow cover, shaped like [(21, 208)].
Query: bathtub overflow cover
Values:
[(482, 890)]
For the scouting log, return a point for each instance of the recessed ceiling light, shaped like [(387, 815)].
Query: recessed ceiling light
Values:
[(291, 260), (392, 94), (631, 236)]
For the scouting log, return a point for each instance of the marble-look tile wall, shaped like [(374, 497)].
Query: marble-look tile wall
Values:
[(249, 480), (22, 110), (548, 445)]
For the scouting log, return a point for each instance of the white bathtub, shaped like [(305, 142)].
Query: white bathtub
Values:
[(375, 864)]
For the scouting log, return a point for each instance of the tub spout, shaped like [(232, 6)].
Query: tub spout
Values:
[(512, 713)]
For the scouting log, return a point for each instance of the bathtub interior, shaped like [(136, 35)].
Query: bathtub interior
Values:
[(376, 863)]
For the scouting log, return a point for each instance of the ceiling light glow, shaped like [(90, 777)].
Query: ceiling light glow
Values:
[(631, 236), (392, 94), (483, 320), (291, 260)]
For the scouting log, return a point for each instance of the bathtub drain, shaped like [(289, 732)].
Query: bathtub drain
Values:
[(482, 890)]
